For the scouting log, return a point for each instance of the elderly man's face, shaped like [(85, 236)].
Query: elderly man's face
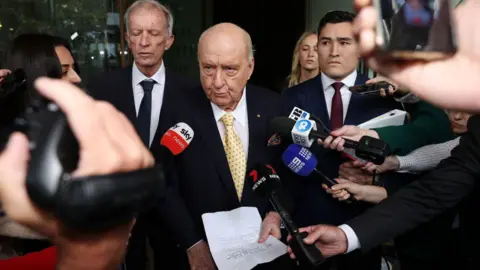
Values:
[(225, 68), (148, 37)]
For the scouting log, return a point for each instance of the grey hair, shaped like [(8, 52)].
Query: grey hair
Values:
[(156, 4), (251, 49)]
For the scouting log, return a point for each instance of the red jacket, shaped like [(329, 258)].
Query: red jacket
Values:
[(42, 260)]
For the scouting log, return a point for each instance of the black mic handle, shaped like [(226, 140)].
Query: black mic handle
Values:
[(291, 227), (306, 255), (314, 134), (329, 182), (350, 144)]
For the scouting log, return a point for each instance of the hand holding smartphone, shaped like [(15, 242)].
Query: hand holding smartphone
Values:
[(372, 89), (420, 29)]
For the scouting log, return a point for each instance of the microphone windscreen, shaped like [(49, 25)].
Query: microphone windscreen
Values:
[(264, 180), (177, 138), (299, 160), (282, 126)]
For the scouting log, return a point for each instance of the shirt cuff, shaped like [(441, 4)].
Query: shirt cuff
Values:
[(402, 162), (352, 240), (194, 245)]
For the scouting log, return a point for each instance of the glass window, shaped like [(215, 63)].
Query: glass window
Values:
[(91, 26), (93, 29)]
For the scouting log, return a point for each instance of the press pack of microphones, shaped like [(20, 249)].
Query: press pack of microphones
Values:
[(305, 129)]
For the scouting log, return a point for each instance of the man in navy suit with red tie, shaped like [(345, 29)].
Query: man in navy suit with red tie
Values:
[(327, 97)]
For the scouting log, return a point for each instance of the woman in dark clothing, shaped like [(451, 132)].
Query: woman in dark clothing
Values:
[(37, 55)]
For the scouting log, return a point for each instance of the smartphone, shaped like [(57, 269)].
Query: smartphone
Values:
[(371, 89), (415, 29)]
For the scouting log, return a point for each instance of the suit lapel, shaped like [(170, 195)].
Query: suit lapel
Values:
[(256, 130), (167, 96), (126, 102), (213, 143), (317, 101), (355, 107)]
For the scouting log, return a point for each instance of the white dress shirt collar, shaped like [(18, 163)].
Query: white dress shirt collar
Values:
[(138, 76), (240, 112), (348, 81)]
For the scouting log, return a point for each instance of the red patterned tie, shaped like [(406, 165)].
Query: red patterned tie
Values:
[(336, 115)]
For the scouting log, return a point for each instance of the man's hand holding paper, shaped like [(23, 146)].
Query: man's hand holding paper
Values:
[(270, 226), (233, 237)]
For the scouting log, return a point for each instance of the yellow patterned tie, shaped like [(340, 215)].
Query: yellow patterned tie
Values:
[(235, 155)]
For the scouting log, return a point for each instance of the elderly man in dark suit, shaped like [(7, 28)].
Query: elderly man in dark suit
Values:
[(143, 92), (229, 118)]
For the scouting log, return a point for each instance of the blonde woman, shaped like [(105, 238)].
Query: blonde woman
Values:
[(305, 59)]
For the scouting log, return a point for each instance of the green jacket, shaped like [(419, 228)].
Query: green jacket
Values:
[(428, 125)]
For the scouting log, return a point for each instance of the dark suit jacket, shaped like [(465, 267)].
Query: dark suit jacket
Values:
[(452, 180), (116, 88), (312, 204), (204, 182)]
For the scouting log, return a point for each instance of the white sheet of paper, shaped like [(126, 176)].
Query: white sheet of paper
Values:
[(233, 239)]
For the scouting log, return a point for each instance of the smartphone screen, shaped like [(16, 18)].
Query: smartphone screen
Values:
[(415, 29)]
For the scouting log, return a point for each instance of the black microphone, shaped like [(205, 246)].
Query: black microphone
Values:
[(284, 125), (266, 183), (302, 132)]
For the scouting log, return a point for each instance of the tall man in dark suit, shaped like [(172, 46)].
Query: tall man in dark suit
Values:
[(229, 119), (143, 92), (327, 96)]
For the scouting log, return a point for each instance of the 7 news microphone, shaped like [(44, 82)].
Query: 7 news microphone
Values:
[(304, 132), (302, 162), (266, 183)]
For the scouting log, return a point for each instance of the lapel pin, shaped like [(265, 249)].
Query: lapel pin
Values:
[(258, 115)]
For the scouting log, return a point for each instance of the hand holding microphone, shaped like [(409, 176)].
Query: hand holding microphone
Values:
[(340, 138), (302, 162), (304, 132), (330, 240), (384, 87), (345, 190), (266, 183)]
